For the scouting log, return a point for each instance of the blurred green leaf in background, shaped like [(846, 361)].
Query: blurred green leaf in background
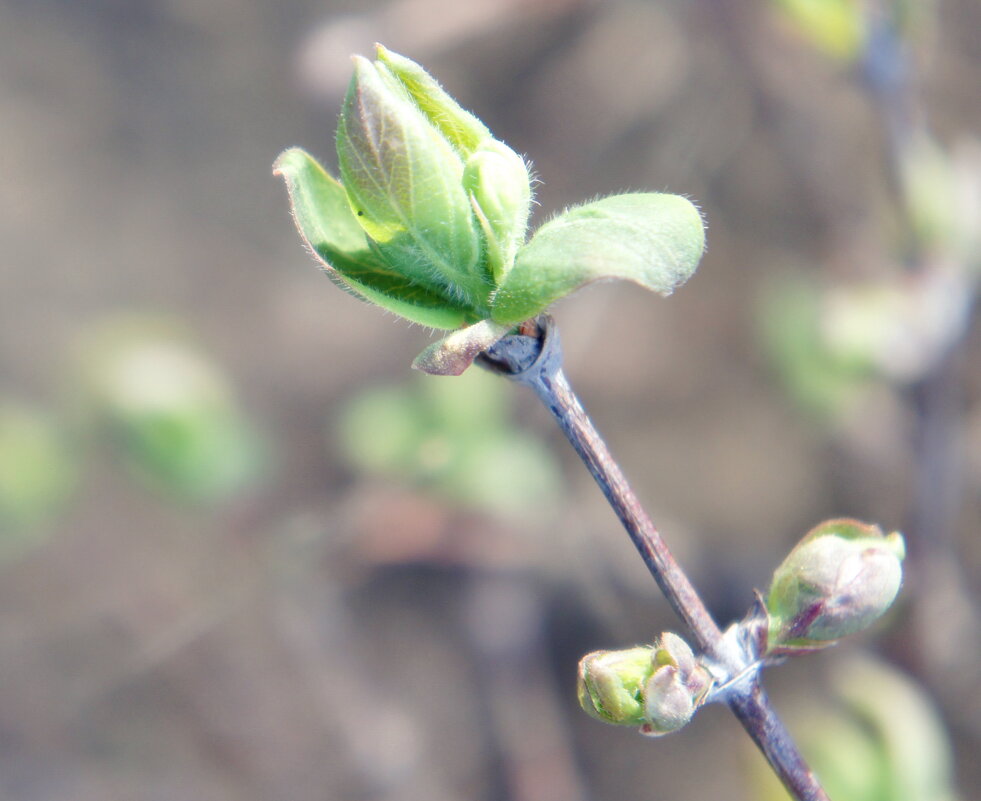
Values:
[(38, 474), (454, 439), (840, 28), (835, 26), (170, 413), (880, 739), (822, 378)]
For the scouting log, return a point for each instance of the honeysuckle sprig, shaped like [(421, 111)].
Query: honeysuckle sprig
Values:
[(429, 218)]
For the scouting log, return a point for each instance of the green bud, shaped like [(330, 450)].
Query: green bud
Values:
[(495, 177), (657, 688), (676, 689), (430, 215), (404, 182), (430, 209), (610, 684), (460, 128), (838, 580), (499, 184)]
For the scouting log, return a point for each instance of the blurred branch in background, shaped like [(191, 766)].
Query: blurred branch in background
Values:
[(904, 328)]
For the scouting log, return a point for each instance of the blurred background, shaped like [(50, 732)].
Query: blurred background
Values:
[(246, 553)]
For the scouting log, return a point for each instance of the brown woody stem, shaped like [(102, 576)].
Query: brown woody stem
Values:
[(536, 361)]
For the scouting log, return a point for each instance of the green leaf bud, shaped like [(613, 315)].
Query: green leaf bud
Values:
[(404, 182), (333, 235), (500, 187), (838, 580), (459, 127), (429, 217), (657, 688), (610, 684), (676, 689)]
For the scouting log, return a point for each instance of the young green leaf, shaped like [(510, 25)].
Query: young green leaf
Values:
[(611, 684), (403, 179), (498, 182), (461, 128), (331, 231), (652, 239), (431, 214)]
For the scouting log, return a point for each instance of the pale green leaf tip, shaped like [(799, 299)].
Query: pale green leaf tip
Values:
[(291, 163), (362, 68), (285, 165)]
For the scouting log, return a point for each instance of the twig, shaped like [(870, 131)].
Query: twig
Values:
[(536, 361), (754, 712)]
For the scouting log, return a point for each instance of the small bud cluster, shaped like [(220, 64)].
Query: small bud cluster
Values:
[(838, 580), (657, 688)]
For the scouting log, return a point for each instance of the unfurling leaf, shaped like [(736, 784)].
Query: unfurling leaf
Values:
[(458, 126), (404, 181), (331, 232), (430, 215), (654, 240)]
